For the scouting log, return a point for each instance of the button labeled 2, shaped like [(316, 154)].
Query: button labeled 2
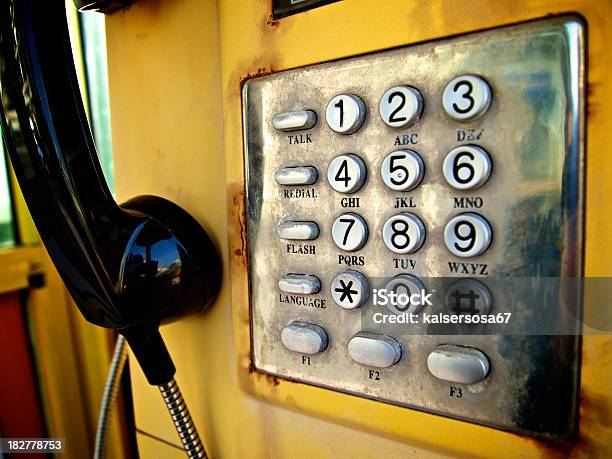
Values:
[(467, 167), (401, 106), (350, 232), (468, 235), (402, 170)]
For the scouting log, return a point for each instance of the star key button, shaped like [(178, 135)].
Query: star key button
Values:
[(350, 289)]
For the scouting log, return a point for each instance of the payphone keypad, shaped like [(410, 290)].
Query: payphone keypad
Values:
[(422, 171)]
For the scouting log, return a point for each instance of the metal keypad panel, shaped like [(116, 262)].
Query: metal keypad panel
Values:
[(460, 160)]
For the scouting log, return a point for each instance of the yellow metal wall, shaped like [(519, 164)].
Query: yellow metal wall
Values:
[(176, 69)]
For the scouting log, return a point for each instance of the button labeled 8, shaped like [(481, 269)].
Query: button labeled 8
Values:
[(467, 167), (402, 170), (404, 233)]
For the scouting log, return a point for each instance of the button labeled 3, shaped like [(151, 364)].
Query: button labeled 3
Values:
[(458, 364), (374, 350), (402, 170), (346, 173), (350, 232), (350, 289), (345, 113), (404, 233), (304, 338), (468, 235), (401, 106), (467, 167), (467, 97)]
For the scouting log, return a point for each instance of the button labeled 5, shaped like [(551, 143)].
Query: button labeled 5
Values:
[(467, 167), (345, 113), (350, 232), (402, 170), (468, 235), (346, 173), (404, 233), (401, 106), (467, 97)]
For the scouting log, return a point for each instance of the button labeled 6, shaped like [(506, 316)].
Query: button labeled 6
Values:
[(467, 167)]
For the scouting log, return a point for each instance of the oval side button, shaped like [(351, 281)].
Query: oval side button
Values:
[(458, 364), (304, 338), (300, 284), (374, 350)]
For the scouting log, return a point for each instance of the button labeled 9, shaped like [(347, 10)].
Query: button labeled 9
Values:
[(401, 106), (467, 167), (402, 170), (466, 97), (468, 235)]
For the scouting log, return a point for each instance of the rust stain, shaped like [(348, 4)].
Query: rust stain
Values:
[(238, 236), (272, 22)]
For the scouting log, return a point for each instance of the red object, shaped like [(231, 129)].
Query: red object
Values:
[(20, 412)]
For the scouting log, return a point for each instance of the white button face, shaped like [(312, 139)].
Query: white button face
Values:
[(458, 364), (294, 121), (345, 113), (350, 232), (350, 289), (305, 231), (467, 167), (404, 233), (468, 296), (410, 293), (467, 97), (346, 173), (299, 175), (401, 106), (402, 170), (468, 235), (301, 284), (304, 338), (374, 350)]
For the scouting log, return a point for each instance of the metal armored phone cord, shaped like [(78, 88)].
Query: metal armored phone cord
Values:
[(172, 397)]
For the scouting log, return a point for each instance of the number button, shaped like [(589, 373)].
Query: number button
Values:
[(401, 106), (467, 167), (468, 235), (350, 232), (345, 113), (467, 97), (350, 289), (404, 233), (402, 170), (406, 288), (346, 173)]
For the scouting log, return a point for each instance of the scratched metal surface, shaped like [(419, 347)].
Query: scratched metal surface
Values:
[(533, 201)]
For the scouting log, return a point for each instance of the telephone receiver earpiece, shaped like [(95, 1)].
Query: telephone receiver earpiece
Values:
[(129, 267)]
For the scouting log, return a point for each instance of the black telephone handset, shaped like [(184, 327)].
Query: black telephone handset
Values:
[(129, 267)]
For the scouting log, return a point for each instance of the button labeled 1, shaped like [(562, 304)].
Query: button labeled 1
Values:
[(402, 170), (345, 113), (346, 173), (350, 232), (468, 235), (467, 97), (350, 289), (401, 106), (404, 233), (467, 167)]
